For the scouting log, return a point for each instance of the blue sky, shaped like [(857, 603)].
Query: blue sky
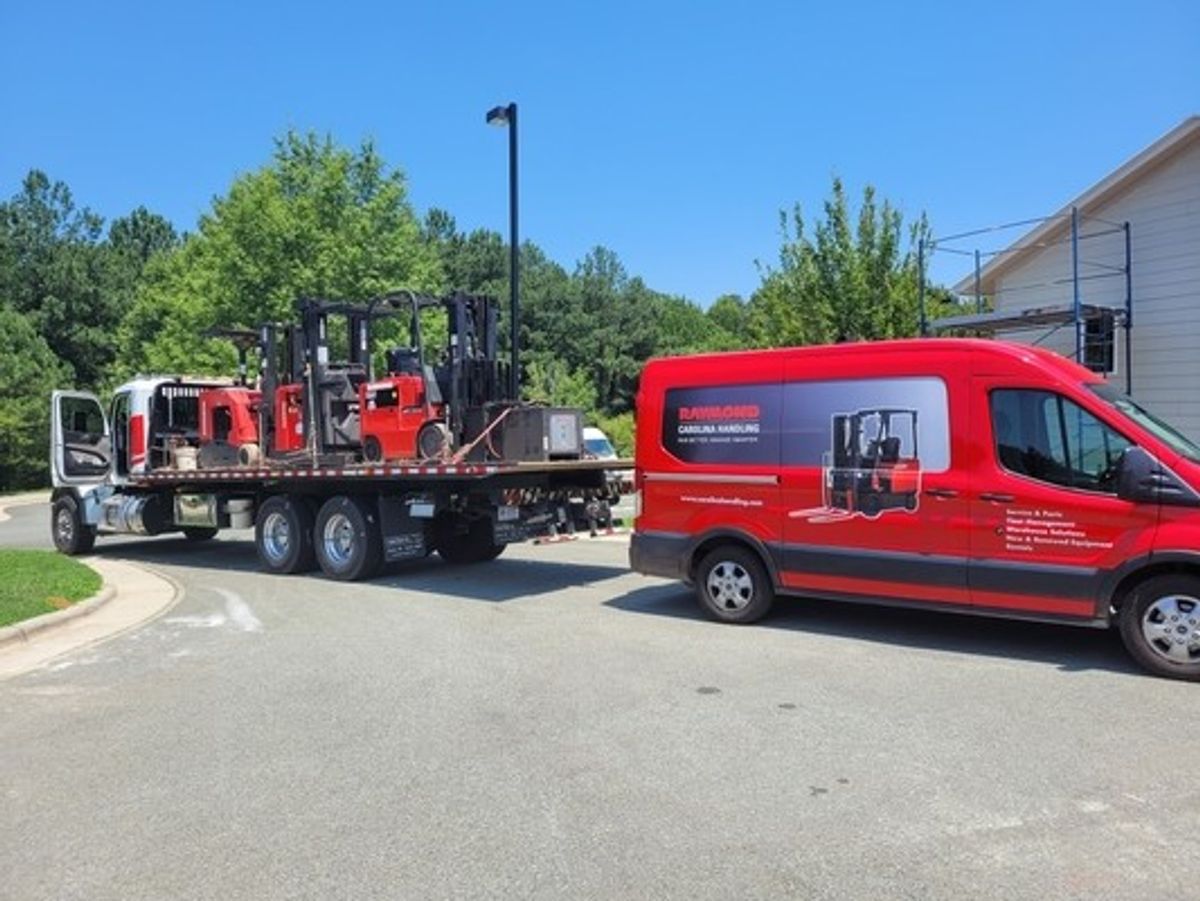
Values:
[(670, 132)]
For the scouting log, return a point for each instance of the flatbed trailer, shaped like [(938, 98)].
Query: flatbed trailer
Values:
[(347, 519)]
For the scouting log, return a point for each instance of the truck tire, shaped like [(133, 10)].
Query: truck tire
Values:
[(474, 545), (1160, 626), (283, 535), (348, 539), (733, 586), (196, 534), (72, 536)]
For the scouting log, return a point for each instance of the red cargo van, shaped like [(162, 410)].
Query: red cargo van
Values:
[(968, 475)]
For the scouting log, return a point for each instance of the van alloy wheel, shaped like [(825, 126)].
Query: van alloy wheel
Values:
[(1171, 627), (730, 586)]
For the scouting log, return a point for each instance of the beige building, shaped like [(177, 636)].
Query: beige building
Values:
[(1075, 272)]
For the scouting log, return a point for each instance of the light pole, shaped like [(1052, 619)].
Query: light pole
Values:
[(502, 116)]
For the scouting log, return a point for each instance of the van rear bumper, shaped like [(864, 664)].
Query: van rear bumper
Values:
[(659, 554)]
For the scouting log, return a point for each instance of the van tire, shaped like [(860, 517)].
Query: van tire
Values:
[(733, 586), (72, 536), (1150, 633)]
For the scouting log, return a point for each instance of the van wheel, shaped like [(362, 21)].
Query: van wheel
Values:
[(72, 536), (283, 535), (733, 586), (1160, 625), (349, 541)]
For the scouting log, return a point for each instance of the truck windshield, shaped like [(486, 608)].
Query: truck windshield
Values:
[(1166, 433)]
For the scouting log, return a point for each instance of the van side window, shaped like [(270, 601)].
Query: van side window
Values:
[(1047, 437)]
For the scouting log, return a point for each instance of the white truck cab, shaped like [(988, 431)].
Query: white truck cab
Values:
[(94, 453)]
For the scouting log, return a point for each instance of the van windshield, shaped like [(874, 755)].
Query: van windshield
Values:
[(1165, 432)]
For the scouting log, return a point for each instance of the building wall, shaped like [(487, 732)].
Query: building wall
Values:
[(1163, 209)]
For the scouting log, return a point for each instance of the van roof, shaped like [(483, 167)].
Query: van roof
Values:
[(1045, 359)]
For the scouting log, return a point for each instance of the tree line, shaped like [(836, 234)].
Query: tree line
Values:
[(87, 304)]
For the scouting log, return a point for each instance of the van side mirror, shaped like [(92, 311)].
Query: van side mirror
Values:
[(1141, 479)]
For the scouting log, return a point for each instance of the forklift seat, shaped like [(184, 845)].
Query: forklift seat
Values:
[(890, 451)]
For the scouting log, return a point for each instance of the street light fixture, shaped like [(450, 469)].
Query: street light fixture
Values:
[(502, 116)]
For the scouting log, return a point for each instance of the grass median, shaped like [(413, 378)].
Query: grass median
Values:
[(37, 582)]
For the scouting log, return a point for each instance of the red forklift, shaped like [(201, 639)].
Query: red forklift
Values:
[(873, 465)]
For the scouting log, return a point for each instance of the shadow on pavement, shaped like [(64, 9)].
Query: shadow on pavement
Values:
[(1070, 648), (498, 580)]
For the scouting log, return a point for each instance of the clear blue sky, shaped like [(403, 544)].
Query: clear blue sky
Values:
[(670, 132)]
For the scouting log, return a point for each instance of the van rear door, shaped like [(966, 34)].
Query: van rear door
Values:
[(1047, 525)]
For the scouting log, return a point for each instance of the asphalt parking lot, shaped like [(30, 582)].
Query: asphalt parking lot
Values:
[(552, 725)]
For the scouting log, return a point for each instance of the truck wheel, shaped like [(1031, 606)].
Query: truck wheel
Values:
[(733, 586), (348, 539), (283, 535), (473, 546), (196, 534), (1160, 625), (72, 536)]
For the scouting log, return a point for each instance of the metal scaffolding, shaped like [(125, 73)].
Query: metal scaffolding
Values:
[(1077, 310)]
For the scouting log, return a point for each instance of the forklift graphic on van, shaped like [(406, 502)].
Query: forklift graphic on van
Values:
[(871, 467)]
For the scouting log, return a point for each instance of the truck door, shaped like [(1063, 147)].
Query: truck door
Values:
[(80, 442), (1046, 522), (875, 486)]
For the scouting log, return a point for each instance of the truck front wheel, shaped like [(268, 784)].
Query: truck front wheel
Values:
[(349, 541), (283, 535), (72, 536)]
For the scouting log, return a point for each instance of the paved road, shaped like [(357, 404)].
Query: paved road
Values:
[(551, 725)]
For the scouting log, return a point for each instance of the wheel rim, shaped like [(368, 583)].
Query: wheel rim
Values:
[(338, 539), (276, 537), (64, 526), (730, 585), (1171, 627)]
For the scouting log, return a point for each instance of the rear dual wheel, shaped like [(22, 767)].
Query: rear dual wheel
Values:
[(348, 539), (460, 542), (283, 535)]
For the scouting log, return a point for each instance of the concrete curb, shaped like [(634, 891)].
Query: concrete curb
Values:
[(23, 630)]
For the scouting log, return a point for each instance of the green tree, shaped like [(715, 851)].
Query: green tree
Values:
[(54, 270), (853, 278), (728, 313), (318, 221), (29, 370)]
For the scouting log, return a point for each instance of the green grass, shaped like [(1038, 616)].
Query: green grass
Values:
[(37, 582)]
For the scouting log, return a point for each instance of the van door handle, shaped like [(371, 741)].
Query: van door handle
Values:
[(996, 497), (941, 492)]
